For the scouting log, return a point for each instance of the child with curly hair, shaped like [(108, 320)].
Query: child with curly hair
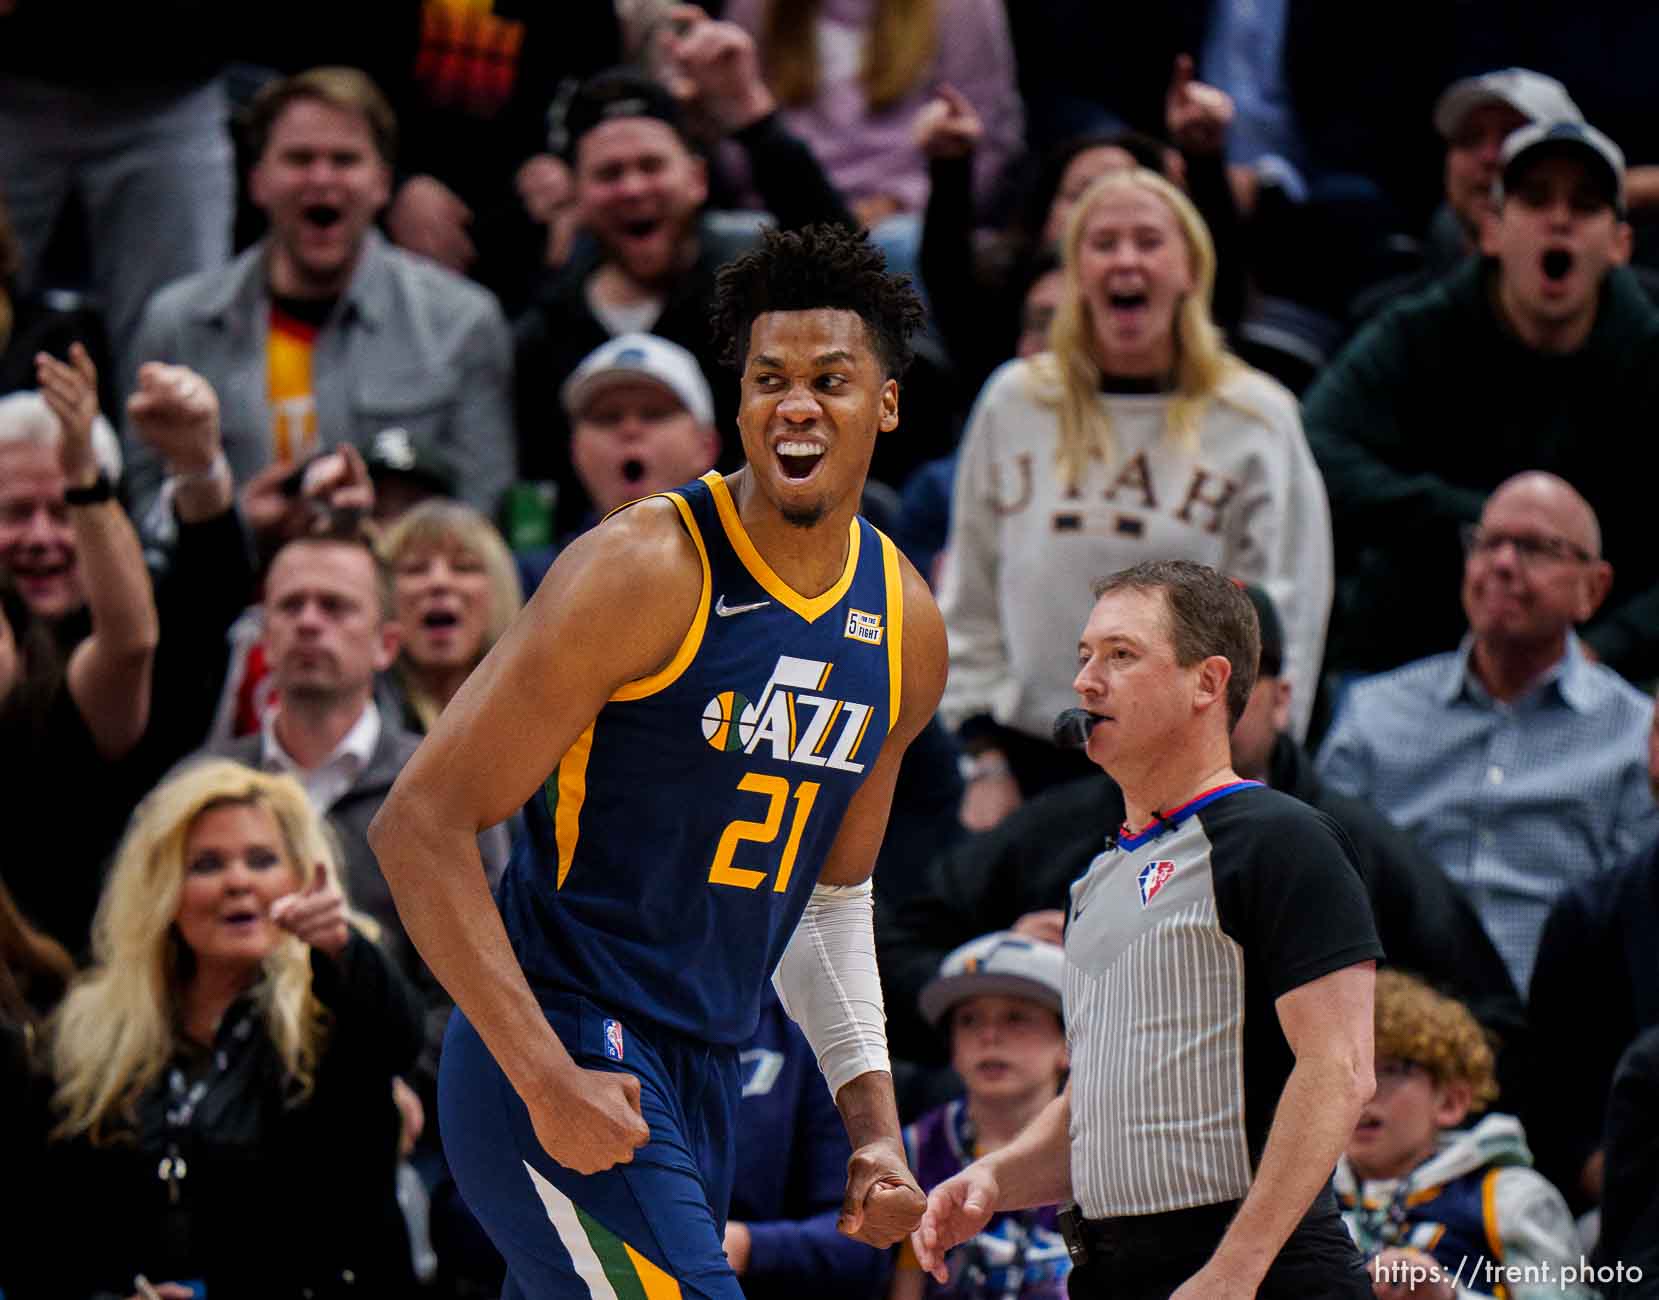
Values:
[(1444, 1211)]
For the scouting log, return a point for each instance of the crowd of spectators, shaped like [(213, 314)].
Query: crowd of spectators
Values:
[(319, 338)]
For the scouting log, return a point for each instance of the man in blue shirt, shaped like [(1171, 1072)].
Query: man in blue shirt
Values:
[(1517, 761)]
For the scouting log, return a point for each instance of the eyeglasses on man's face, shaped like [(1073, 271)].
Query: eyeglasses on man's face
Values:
[(1530, 549)]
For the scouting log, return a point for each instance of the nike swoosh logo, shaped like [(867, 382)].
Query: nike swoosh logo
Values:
[(723, 610)]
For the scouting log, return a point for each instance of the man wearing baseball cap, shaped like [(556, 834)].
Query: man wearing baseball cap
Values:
[(1602, 161), (1540, 354), (641, 419), (1475, 116), (641, 186)]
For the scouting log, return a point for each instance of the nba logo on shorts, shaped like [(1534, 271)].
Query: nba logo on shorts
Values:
[(613, 1039), (1152, 878)]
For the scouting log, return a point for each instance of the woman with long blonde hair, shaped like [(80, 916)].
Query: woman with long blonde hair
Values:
[(228, 1055), (1136, 436)]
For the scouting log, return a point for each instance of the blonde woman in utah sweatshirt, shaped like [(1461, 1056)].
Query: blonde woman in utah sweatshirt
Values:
[(1137, 436)]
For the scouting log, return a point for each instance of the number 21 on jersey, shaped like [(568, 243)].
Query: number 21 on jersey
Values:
[(765, 831)]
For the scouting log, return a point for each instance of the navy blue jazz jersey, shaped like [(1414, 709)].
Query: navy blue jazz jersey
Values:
[(672, 851)]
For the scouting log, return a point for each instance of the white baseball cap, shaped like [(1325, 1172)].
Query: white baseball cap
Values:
[(630, 357), (1000, 963), (1531, 94)]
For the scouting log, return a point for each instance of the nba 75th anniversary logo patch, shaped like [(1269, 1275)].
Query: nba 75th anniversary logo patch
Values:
[(1154, 876)]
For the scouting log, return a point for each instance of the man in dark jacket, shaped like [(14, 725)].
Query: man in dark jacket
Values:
[(1595, 988), (1536, 356), (1629, 1244), (1018, 875), (640, 190)]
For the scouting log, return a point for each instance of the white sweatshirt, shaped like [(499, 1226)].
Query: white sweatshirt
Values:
[(1023, 553)]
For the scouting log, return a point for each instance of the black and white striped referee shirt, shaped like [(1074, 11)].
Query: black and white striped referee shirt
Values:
[(1181, 939)]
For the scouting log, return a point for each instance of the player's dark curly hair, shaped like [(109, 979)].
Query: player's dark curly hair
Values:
[(817, 266)]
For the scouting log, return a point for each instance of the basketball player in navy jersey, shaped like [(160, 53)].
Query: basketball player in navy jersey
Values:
[(702, 710)]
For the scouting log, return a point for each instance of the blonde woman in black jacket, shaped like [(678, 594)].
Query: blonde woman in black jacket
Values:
[(222, 1099)]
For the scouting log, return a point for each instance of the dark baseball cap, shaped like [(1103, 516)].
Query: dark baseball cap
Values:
[(395, 450), (612, 95), (1602, 159)]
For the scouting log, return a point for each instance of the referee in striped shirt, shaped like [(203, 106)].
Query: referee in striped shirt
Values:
[(1219, 963)]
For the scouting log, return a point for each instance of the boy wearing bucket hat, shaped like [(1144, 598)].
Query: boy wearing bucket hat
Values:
[(997, 999)]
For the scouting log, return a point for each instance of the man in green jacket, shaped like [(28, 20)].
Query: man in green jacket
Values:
[(1541, 354)]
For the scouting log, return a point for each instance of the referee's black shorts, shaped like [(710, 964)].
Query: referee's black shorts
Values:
[(1147, 1256)]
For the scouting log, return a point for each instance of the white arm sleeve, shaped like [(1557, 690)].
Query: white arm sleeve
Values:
[(827, 982)]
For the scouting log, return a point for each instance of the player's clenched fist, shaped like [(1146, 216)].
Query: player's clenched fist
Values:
[(591, 1121), (884, 1203)]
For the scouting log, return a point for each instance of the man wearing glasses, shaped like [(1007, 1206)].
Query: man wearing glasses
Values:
[(1517, 760)]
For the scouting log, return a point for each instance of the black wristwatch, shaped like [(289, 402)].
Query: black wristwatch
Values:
[(94, 493)]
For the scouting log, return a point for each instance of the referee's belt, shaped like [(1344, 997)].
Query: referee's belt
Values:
[(1142, 1234)]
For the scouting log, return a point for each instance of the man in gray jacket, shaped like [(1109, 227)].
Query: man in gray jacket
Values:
[(323, 333), (328, 632)]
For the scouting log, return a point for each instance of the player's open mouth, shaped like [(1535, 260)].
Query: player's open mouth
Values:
[(1126, 301), (440, 618), (798, 459), (641, 228), (1556, 263), (633, 470), (321, 215)]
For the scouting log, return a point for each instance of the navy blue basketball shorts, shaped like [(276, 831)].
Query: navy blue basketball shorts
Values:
[(648, 1230)]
